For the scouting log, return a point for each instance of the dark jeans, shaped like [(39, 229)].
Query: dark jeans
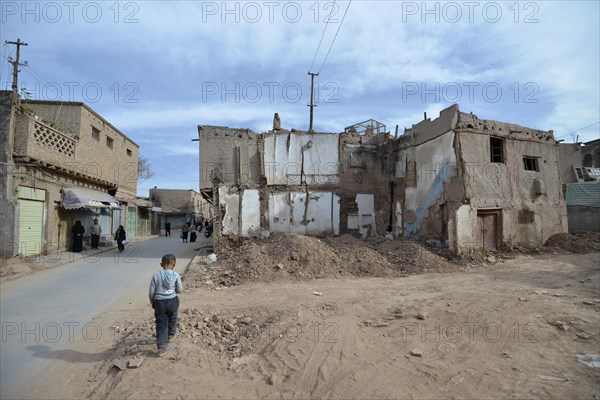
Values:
[(165, 312), (95, 240), (184, 236), (168, 232), (120, 244)]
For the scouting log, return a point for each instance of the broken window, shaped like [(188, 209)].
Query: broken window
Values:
[(531, 164), (356, 160), (411, 173), (497, 150)]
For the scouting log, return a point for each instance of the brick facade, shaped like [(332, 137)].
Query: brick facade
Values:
[(93, 157), (61, 145)]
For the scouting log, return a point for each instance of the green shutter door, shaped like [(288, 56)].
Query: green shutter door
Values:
[(31, 217), (130, 222)]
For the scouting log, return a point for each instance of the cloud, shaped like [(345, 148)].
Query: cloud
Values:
[(159, 63)]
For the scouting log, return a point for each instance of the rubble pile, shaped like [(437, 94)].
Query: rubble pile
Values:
[(578, 244), (227, 336), (297, 257)]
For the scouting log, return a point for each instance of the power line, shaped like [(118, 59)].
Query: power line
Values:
[(323, 35), (580, 129), (336, 33), (172, 169)]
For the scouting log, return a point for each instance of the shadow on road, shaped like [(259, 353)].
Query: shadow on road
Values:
[(73, 356)]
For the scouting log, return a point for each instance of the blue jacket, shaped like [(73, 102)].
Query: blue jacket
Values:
[(165, 284)]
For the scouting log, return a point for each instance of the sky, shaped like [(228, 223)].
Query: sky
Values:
[(158, 69)]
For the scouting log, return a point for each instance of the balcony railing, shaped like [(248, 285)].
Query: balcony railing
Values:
[(54, 140)]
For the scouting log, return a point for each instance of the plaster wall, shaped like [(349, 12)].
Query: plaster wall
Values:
[(250, 213), (230, 202), (290, 156), (570, 156), (435, 168), (513, 189), (366, 214), (302, 213), (462, 225)]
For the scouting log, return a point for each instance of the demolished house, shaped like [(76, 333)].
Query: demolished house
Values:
[(460, 181)]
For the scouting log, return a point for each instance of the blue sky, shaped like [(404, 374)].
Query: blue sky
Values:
[(157, 69)]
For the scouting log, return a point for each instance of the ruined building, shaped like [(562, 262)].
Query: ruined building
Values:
[(460, 181)]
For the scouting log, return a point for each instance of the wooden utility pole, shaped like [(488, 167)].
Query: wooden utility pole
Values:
[(312, 91), (16, 64)]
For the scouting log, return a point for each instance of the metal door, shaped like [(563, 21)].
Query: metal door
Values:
[(31, 217), (131, 222)]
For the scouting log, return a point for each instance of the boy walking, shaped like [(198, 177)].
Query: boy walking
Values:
[(164, 287)]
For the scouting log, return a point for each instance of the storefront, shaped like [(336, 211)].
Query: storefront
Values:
[(86, 205)]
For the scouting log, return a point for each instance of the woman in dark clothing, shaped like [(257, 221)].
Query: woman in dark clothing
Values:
[(119, 237), (77, 233), (193, 234)]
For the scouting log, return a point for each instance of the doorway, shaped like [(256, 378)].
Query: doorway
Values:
[(488, 229)]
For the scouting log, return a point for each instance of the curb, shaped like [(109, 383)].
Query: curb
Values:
[(44, 265), (198, 255)]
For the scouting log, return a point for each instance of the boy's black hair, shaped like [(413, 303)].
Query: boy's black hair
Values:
[(168, 259)]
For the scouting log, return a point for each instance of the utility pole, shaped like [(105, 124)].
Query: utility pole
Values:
[(15, 63), (8, 201), (312, 90)]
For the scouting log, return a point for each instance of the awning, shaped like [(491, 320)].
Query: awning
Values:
[(87, 198)]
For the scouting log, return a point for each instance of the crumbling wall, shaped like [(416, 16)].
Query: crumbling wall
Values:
[(523, 181), (229, 154), (434, 181), (570, 157), (433, 165), (366, 172), (427, 129), (294, 158), (307, 213)]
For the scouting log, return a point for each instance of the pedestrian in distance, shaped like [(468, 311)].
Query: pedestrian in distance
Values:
[(193, 235), (120, 236), (185, 229), (164, 286), (167, 228), (77, 232), (96, 231)]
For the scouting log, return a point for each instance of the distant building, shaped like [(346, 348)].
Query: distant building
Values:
[(591, 154), (178, 206)]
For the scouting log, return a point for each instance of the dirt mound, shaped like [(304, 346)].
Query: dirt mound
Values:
[(579, 244), (296, 257)]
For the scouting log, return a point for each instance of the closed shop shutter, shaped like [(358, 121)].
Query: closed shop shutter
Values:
[(131, 214), (31, 218)]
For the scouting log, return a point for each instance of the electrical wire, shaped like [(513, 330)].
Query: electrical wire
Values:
[(577, 130), (322, 35), (336, 33)]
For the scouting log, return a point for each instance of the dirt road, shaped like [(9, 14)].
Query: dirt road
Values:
[(511, 330)]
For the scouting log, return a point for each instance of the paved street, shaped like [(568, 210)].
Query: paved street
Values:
[(49, 312)]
